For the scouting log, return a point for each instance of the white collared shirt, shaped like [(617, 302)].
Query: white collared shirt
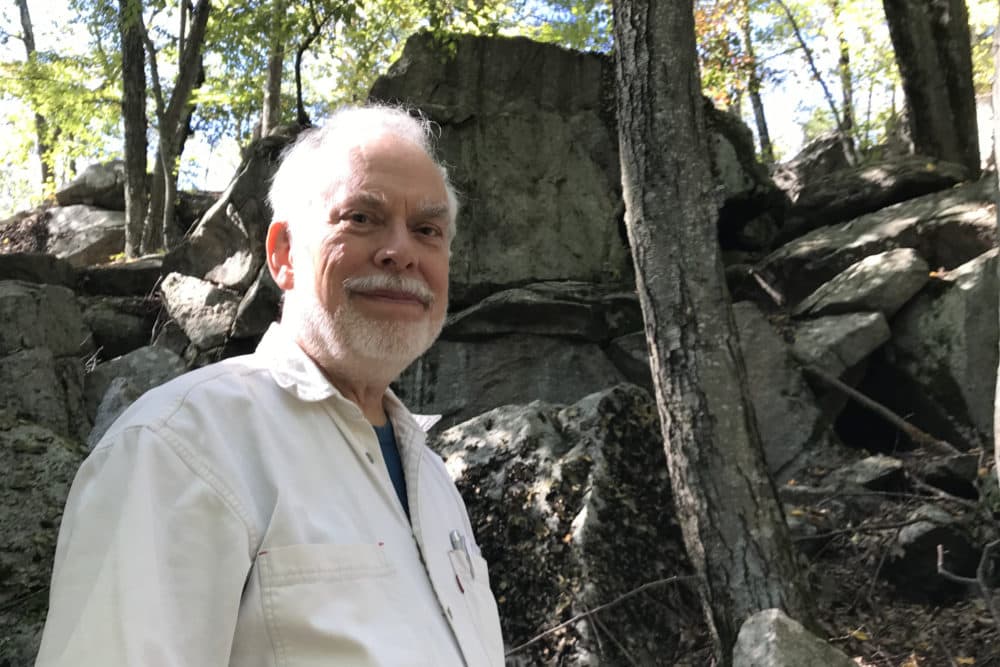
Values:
[(242, 515)]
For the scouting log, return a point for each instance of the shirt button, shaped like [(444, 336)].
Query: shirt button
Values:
[(448, 609), (371, 459)]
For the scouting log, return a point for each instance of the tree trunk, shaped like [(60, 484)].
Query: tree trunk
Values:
[(753, 88), (996, 166), (41, 125), (271, 113), (844, 70), (733, 526), (134, 120), (172, 118), (932, 46)]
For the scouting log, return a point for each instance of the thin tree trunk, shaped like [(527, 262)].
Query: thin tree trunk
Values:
[(271, 113), (842, 129), (844, 70), (134, 120), (41, 125), (172, 119), (931, 42), (996, 163), (753, 88), (300, 109), (733, 527)]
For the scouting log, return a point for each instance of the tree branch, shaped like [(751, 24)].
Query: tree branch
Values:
[(918, 436), (590, 612)]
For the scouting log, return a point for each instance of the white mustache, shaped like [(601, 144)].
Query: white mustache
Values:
[(385, 281)]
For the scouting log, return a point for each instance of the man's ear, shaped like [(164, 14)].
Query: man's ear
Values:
[(279, 255)]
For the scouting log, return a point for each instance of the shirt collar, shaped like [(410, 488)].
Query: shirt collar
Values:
[(296, 373)]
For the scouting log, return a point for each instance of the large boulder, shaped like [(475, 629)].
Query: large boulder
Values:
[(528, 132), (204, 311), (37, 267), (143, 368), (819, 158), (947, 229), (137, 277), (100, 185), (85, 235), (43, 344), (837, 343), (39, 466), (849, 193), (572, 508), (227, 245), (788, 417), (570, 309), (944, 352), (461, 379), (879, 283), (119, 324)]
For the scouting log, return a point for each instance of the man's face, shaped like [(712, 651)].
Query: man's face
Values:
[(372, 277)]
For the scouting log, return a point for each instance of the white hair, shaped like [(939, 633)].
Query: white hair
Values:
[(302, 181)]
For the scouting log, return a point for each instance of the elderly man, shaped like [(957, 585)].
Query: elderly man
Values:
[(282, 508)]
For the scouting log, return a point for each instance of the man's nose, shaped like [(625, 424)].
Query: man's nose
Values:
[(396, 250)]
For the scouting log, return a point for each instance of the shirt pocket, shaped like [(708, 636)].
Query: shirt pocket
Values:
[(333, 604), (473, 579)]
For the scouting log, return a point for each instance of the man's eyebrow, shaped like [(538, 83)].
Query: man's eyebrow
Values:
[(365, 198), (431, 210)]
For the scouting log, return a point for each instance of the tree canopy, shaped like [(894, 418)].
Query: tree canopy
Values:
[(60, 82)]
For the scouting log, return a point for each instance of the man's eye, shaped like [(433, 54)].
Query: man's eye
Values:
[(359, 218), (429, 230)]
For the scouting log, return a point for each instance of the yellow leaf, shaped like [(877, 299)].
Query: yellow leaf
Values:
[(860, 635), (965, 661), (931, 166)]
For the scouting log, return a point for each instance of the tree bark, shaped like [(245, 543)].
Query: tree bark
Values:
[(172, 117), (727, 506), (271, 113), (996, 165), (844, 70), (134, 120), (753, 88), (931, 42), (41, 124)]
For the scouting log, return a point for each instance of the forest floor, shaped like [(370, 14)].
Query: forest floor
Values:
[(886, 608)]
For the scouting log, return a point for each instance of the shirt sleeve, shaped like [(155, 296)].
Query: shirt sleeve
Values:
[(150, 562)]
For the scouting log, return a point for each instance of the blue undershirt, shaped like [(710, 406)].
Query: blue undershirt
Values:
[(390, 452)]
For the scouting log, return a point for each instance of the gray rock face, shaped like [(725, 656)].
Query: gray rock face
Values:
[(85, 235), (118, 324), (821, 157), (259, 307), (41, 316), (143, 369), (880, 283), (529, 131), (572, 508), (204, 311), (570, 309), (785, 406), (945, 348), (462, 379), (132, 278), (38, 466), (37, 268), (101, 185), (947, 229), (227, 245), (849, 193), (42, 343), (631, 355), (769, 638), (839, 342)]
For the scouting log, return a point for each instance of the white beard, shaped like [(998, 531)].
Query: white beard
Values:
[(349, 339)]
